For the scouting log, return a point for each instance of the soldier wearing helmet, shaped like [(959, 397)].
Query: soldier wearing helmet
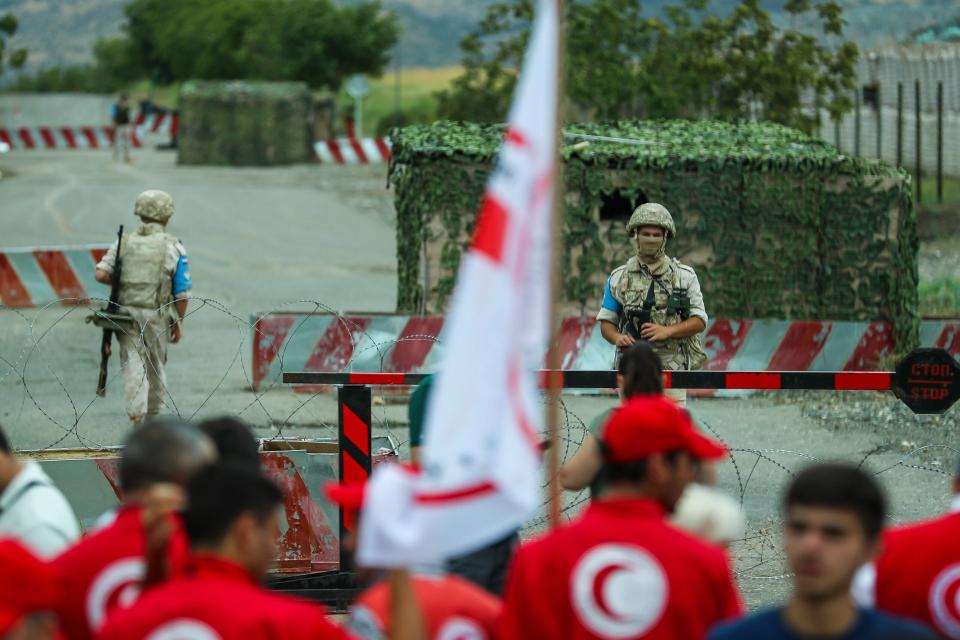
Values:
[(654, 297), (155, 286)]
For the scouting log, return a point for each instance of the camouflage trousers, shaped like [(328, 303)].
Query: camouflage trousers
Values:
[(677, 395), (675, 362), (143, 354)]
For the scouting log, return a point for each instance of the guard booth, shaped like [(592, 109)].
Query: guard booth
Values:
[(778, 225)]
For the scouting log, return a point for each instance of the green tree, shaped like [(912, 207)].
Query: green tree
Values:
[(313, 41), (114, 65), (15, 59), (689, 64)]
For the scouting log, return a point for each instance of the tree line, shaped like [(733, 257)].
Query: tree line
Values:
[(692, 60), (167, 41), (691, 63)]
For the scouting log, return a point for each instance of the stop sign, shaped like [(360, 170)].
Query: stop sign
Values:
[(927, 381)]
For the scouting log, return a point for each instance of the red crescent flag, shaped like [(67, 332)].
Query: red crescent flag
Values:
[(481, 461)]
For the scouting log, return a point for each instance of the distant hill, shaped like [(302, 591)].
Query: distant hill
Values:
[(58, 32), (63, 31)]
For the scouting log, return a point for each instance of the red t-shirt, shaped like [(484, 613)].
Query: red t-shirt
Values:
[(918, 573), (216, 599), (620, 571), (452, 608), (105, 569)]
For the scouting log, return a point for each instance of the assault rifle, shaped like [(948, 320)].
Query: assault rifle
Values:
[(112, 308)]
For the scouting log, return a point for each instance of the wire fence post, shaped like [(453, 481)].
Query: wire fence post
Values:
[(940, 141), (836, 134), (856, 123), (879, 111), (899, 124), (918, 169)]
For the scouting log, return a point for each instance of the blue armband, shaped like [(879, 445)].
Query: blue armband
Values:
[(181, 277), (609, 302)]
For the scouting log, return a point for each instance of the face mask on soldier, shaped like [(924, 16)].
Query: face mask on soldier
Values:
[(648, 247)]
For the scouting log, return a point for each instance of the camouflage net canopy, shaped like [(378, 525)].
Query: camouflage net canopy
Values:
[(244, 123), (777, 224)]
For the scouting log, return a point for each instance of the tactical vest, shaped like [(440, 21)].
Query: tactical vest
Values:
[(144, 282), (632, 290)]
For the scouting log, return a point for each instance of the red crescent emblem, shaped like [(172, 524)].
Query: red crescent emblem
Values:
[(944, 601), (618, 590), (599, 582)]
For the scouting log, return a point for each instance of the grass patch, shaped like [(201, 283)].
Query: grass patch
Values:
[(928, 190), (166, 96), (940, 297), (418, 102)]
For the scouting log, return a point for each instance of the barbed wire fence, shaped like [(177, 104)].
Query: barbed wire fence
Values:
[(35, 376)]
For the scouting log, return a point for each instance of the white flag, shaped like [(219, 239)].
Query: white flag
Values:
[(481, 457)]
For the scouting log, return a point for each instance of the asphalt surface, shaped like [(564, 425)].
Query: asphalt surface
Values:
[(258, 240), (309, 236)]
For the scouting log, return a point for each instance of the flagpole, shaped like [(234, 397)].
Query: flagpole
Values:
[(553, 355)]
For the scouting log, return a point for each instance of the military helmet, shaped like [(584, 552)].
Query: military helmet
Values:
[(154, 206), (654, 215)]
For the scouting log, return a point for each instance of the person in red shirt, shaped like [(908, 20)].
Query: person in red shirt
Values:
[(29, 590), (107, 568), (917, 574), (621, 570), (232, 522), (451, 607)]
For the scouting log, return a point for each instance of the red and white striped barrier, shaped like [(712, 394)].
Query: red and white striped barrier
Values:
[(290, 342), (159, 123), (36, 276), (27, 138), (353, 151)]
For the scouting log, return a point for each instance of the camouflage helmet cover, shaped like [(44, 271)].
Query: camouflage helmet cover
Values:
[(654, 215), (155, 206)]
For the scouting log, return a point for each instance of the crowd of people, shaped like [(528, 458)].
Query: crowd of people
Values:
[(185, 554)]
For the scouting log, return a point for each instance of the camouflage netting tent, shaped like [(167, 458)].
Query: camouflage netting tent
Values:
[(244, 123), (777, 224)]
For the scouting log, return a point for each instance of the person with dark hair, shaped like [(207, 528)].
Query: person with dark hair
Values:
[(234, 441), (917, 574), (232, 522), (32, 509), (122, 128), (638, 371), (621, 570), (109, 567), (834, 514)]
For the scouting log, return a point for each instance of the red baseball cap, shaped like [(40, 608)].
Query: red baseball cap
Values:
[(348, 496), (27, 584), (649, 424)]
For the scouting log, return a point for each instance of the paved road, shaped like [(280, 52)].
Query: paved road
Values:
[(262, 238), (258, 239)]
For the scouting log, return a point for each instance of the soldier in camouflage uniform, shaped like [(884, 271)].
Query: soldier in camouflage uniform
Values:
[(155, 286), (654, 297)]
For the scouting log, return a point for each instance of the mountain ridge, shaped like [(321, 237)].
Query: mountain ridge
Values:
[(62, 32)]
